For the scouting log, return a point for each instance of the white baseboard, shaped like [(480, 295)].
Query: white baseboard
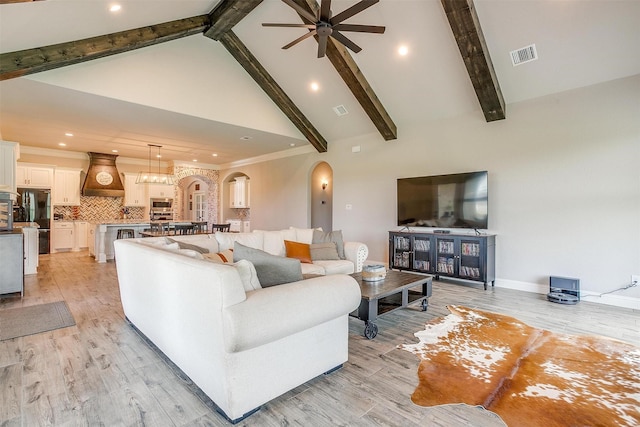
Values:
[(615, 300), (609, 299)]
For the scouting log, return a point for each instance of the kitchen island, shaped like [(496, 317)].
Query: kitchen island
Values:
[(103, 234)]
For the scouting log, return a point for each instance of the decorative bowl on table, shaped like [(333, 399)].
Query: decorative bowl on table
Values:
[(373, 273)]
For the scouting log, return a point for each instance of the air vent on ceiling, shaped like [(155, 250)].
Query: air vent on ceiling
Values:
[(523, 55), (340, 110)]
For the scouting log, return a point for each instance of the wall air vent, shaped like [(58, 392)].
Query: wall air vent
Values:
[(523, 55), (340, 110)]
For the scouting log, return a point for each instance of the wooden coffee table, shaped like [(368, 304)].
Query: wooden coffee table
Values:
[(394, 292)]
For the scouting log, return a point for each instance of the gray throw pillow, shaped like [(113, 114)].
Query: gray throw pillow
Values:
[(323, 251), (271, 269), (331, 236), (184, 245)]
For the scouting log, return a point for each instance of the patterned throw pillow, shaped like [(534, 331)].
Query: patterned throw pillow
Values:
[(223, 257), (298, 250)]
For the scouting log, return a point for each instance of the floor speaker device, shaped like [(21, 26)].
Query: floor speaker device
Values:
[(564, 290)]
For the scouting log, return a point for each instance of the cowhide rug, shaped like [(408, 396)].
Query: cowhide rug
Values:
[(528, 376)]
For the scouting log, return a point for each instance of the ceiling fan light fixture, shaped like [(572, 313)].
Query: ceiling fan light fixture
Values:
[(324, 25), (150, 177)]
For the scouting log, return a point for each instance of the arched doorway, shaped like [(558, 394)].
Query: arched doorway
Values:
[(191, 181), (322, 196)]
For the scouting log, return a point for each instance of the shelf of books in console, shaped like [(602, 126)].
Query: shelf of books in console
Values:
[(421, 254)]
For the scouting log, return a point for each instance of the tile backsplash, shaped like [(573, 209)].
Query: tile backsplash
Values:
[(96, 209)]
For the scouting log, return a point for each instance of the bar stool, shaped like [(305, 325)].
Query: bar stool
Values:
[(126, 233)]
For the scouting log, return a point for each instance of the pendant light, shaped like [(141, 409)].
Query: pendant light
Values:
[(158, 177)]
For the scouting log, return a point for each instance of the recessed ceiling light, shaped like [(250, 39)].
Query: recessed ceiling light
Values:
[(195, 160), (403, 50), (292, 144), (115, 8), (215, 155), (62, 144), (314, 86), (245, 138), (68, 134), (114, 151)]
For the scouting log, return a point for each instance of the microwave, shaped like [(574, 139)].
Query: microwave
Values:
[(161, 203)]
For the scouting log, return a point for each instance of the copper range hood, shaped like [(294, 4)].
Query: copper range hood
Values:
[(102, 177)]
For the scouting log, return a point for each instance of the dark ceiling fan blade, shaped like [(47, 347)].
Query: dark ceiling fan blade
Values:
[(348, 13), (325, 10), (360, 28), (345, 41), (309, 26), (322, 45), (302, 12), (299, 39)]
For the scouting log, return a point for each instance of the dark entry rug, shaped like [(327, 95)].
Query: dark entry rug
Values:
[(23, 321)]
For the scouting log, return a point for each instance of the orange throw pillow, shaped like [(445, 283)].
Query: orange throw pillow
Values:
[(301, 251)]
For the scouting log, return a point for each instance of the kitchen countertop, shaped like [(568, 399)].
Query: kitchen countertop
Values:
[(25, 225), (115, 222)]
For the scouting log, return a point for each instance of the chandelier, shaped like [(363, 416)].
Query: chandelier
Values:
[(158, 177)]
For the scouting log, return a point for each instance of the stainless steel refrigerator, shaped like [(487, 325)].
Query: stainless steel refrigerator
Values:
[(35, 206)]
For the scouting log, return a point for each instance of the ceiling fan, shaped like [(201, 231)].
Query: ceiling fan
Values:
[(324, 25)]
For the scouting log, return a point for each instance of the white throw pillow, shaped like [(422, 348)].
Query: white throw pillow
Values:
[(273, 243), (226, 240), (190, 253), (248, 275), (304, 235)]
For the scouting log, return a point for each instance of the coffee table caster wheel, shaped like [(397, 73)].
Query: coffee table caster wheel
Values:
[(370, 330), (425, 304)]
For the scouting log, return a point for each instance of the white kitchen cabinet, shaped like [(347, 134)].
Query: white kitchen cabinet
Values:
[(134, 194), (8, 166), (235, 225), (33, 176), (81, 232), (239, 192), (160, 191), (63, 236), (66, 189)]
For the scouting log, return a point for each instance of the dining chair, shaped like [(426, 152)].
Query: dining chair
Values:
[(220, 227), (184, 229), (199, 226)]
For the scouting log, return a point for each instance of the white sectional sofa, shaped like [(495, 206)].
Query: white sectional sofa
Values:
[(240, 344), (272, 242)]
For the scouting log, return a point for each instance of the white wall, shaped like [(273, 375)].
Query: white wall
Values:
[(564, 185)]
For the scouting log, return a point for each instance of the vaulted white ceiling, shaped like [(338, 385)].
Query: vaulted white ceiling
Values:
[(190, 96)]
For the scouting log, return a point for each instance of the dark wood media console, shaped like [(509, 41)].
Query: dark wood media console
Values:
[(458, 256)]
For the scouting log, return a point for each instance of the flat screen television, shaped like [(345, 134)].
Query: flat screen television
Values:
[(448, 201)]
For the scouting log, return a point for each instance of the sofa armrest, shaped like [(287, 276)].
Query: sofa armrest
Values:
[(278, 311), (357, 253)]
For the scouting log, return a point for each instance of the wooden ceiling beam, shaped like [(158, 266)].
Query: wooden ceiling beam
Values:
[(23, 62), (356, 82), (239, 51), (227, 14), (475, 54)]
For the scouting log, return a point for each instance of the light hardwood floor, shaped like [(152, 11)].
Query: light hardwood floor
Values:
[(100, 372)]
